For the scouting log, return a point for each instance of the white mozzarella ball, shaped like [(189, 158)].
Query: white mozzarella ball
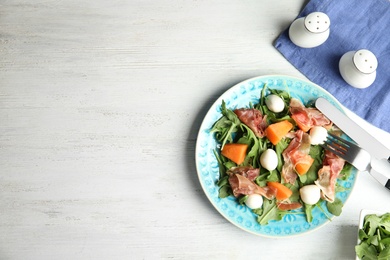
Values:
[(274, 103), (254, 201), (310, 194), (318, 135), (269, 159)]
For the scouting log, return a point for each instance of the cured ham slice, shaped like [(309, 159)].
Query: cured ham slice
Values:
[(288, 205), (243, 186), (297, 152), (328, 174), (306, 117), (253, 119), (246, 171)]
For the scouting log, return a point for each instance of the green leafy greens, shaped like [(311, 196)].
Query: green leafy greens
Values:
[(374, 237), (226, 125)]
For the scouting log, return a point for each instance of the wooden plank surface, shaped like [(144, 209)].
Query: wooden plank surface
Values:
[(100, 104)]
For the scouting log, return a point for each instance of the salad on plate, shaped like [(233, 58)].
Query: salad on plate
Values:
[(271, 160), (270, 166)]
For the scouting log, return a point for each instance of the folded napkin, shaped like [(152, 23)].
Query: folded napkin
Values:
[(355, 24)]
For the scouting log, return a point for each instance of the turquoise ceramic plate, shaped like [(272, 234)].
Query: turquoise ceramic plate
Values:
[(207, 166)]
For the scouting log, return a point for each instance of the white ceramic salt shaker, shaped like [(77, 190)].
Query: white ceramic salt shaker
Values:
[(358, 68), (310, 31)]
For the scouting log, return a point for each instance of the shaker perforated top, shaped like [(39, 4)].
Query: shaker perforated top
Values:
[(317, 22), (365, 61)]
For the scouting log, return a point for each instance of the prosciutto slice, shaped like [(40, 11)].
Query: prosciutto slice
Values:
[(288, 205), (328, 174), (253, 119), (246, 171), (296, 152), (306, 118), (243, 186)]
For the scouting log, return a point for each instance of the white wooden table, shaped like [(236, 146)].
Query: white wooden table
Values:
[(100, 104)]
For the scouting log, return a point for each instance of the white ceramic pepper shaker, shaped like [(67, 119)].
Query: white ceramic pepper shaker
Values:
[(310, 31), (358, 68)]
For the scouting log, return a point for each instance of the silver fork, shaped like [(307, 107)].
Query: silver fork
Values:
[(355, 155)]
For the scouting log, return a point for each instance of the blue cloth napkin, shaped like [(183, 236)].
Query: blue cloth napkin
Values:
[(355, 24)]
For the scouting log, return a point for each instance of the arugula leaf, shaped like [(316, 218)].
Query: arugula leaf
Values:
[(226, 126), (373, 240), (242, 199), (249, 138), (302, 178), (269, 212), (262, 179), (335, 207), (223, 181), (258, 211), (346, 171), (384, 254), (229, 164), (308, 212), (367, 251), (221, 161), (374, 237), (362, 235), (279, 148), (317, 153), (371, 224), (386, 241), (295, 189), (224, 191)]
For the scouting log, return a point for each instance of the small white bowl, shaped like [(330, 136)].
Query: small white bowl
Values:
[(363, 214)]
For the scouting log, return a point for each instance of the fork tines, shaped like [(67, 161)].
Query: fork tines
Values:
[(336, 145)]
